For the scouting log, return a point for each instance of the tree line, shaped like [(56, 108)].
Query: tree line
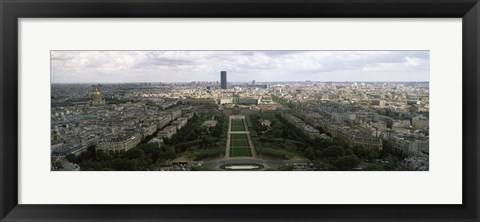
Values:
[(148, 156)]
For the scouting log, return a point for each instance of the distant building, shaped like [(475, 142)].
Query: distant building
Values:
[(413, 102), (96, 99), (167, 132), (249, 100), (342, 117), (223, 79), (175, 114), (307, 129), (253, 86), (148, 130), (420, 122), (407, 145), (121, 143), (355, 137), (188, 115), (163, 121), (180, 122), (196, 101), (378, 102), (225, 100), (266, 99)]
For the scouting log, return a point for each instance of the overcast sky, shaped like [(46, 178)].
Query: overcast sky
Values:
[(241, 66)]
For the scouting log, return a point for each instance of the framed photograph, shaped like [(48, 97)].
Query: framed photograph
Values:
[(239, 110)]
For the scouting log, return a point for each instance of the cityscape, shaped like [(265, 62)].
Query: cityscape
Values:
[(240, 110)]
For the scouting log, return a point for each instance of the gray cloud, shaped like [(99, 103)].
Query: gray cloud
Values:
[(186, 66)]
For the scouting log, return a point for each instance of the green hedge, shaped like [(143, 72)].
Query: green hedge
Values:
[(272, 153)]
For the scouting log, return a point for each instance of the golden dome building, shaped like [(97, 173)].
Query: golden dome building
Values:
[(96, 98)]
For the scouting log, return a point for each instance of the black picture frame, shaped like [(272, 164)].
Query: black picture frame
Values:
[(12, 10)]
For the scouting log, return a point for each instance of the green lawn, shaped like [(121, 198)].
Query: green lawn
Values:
[(238, 136), (240, 151), (239, 143), (238, 128), (238, 125)]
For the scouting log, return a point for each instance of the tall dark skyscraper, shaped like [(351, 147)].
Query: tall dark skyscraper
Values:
[(223, 79)]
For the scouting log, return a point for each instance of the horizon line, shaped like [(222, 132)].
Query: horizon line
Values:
[(303, 81)]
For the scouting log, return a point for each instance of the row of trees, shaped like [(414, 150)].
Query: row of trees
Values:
[(282, 138), (200, 142), (335, 157), (279, 136), (190, 132), (146, 156), (271, 152), (282, 101)]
